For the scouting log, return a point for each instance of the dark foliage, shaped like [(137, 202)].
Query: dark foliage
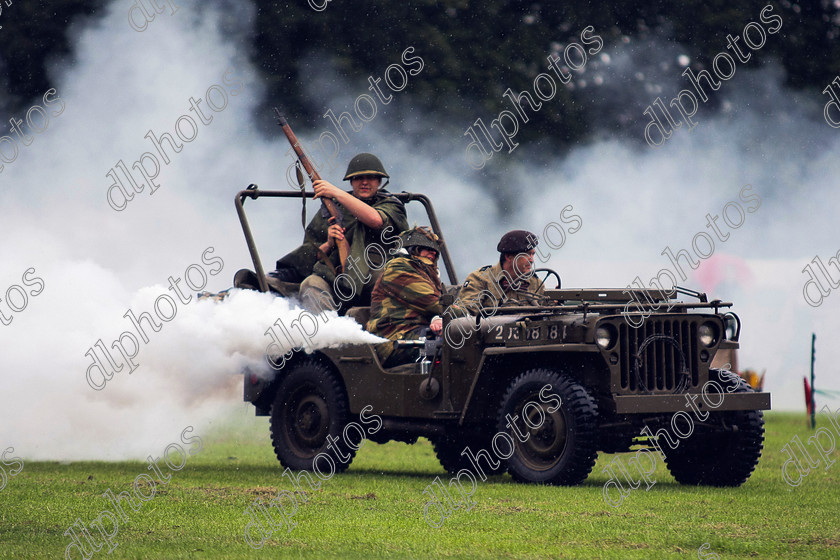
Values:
[(473, 50)]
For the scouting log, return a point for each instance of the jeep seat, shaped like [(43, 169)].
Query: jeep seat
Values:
[(247, 280)]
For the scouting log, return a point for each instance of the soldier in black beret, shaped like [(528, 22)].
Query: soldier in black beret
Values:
[(511, 281)]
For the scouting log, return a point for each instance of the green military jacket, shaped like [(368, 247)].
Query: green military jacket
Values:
[(490, 287), (404, 298), (305, 258)]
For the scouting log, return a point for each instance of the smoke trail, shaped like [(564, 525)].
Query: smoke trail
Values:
[(97, 263)]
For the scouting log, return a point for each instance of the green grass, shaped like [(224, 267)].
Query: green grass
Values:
[(375, 509)]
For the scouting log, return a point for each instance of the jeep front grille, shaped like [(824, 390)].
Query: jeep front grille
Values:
[(660, 356)]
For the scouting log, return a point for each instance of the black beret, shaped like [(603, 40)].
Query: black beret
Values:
[(517, 241)]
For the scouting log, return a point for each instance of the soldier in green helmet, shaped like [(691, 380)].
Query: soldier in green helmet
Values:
[(405, 301), (372, 221)]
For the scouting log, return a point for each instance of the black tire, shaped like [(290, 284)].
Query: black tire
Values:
[(724, 456), (449, 448), (563, 448), (310, 404)]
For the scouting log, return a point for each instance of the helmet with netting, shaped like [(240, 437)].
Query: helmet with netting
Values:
[(420, 237)]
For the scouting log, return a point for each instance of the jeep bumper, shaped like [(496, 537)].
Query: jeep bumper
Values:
[(635, 404)]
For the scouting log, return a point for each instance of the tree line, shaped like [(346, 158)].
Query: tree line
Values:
[(475, 50)]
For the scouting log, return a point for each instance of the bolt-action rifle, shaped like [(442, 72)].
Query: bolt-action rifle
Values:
[(343, 245)]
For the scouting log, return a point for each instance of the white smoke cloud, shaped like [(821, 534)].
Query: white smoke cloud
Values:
[(97, 263)]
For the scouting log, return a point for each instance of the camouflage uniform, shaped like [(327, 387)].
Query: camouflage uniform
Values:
[(305, 259), (490, 286), (404, 301)]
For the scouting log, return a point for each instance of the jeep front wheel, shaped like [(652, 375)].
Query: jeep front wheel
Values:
[(310, 405), (555, 441), (727, 452)]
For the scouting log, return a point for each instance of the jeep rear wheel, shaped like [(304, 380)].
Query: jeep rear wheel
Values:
[(553, 443), (724, 456), (310, 405)]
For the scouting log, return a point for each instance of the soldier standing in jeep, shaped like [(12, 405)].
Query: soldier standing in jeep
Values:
[(511, 281), (405, 301)]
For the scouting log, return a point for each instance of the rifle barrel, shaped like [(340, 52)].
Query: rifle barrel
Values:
[(343, 245)]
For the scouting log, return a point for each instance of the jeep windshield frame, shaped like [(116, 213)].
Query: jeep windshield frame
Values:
[(253, 192), (593, 300)]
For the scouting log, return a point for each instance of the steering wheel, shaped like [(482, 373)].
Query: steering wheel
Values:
[(548, 272)]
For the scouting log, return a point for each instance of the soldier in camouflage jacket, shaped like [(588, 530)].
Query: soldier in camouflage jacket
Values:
[(405, 301)]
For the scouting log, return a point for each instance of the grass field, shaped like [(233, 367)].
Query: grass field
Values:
[(375, 509)]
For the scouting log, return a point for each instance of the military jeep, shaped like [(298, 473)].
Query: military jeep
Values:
[(495, 373)]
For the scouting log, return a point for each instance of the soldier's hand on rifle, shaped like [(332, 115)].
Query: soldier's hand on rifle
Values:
[(364, 212), (335, 233), (326, 189), (436, 325)]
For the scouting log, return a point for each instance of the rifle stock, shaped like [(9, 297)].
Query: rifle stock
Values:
[(343, 245)]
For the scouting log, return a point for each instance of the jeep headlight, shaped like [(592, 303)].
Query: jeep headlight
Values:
[(707, 334), (605, 337), (732, 326), (730, 330)]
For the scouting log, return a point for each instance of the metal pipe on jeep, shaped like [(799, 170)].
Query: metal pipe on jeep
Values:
[(430, 211), (253, 192)]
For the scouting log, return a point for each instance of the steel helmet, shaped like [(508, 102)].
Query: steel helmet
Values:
[(365, 164), (421, 237)]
